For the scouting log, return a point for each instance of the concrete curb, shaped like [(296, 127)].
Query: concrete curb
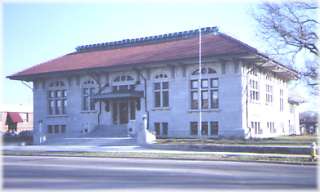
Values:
[(300, 150)]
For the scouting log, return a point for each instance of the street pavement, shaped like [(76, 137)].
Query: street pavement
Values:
[(135, 149), (38, 172)]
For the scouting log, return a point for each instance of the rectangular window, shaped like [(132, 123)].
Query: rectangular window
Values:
[(165, 129), (204, 99), (161, 129), (214, 99), (57, 102), (157, 99), (281, 99), (204, 128), (161, 94), (87, 103), (63, 128), (56, 129), (269, 94), (209, 94), (271, 128), (51, 107), (157, 129), (50, 129), (254, 90), (194, 100), (92, 103), (194, 84), (165, 98), (194, 128), (256, 127), (214, 128), (214, 83), (58, 107), (204, 83)]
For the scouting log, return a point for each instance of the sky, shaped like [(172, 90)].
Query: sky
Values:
[(37, 32)]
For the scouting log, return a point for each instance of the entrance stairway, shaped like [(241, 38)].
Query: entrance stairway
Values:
[(109, 131), (94, 141), (103, 135)]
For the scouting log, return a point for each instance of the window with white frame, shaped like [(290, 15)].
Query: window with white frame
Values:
[(88, 90), (256, 127), (209, 86), (269, 95), (161, 129), (281, 100), (57, 98), (270, 127), (123, 83), (254, 90), (208, 128), (161, 91), (56, 129)]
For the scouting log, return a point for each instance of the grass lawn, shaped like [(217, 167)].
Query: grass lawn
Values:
[(302, 160), (283, 140)]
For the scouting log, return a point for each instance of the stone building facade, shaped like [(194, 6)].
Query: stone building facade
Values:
[(110, 86)]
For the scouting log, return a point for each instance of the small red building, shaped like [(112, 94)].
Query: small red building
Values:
[(15, 122)]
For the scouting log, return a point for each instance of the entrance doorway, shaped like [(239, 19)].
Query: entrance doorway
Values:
[(122, 111)]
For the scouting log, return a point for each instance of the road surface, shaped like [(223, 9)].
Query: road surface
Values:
[(36, 172)]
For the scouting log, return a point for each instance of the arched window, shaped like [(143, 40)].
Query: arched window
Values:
[(57, 98), (88, 89), (56, 84), (161, 90), (123, 78), (204, 92), (123, 83), (161, 76), (204, 70)]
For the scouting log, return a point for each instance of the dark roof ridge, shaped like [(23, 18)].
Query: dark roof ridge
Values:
[(145, 40)]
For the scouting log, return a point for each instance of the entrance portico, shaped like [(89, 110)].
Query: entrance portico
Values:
[(122, 105)]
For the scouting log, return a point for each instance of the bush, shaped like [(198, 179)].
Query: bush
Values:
[(26, 133), (24, 136)]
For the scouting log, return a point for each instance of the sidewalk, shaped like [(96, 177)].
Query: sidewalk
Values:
[(147, 152)]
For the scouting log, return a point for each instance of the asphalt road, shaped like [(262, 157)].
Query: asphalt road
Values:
[(114, 173)]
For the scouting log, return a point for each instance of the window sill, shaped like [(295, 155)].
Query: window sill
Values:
[(161, 109), (89, 111), (54, 116), (204, 110)]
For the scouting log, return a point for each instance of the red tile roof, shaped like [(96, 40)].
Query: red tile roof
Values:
[(15, 117), (212, 45)]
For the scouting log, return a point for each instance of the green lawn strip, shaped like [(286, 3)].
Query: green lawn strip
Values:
[(285, 140), (178, 156)]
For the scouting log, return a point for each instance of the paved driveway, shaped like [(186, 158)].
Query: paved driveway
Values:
[(116, 173)]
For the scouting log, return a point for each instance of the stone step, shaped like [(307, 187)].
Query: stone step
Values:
[(94, 141), (108, 131)]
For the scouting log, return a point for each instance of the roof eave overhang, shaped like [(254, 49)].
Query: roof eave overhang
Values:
[(271, 65), (44, 75)]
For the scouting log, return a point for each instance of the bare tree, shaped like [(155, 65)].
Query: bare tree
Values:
[(289, 29)]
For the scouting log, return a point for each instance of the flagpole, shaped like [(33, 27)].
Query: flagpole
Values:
[(199, 85)]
